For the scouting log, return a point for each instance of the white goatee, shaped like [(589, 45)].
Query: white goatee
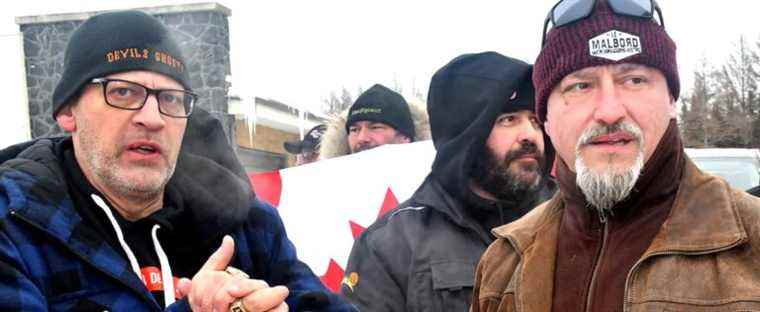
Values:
[(606, 187)]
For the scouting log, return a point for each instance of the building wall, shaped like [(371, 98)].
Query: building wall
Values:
[(265, 139), (201, 30)]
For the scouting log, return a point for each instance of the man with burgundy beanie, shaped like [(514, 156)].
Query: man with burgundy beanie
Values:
[(636, 226)]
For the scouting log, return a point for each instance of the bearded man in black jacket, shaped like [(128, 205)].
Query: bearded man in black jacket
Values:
[(491, 168)]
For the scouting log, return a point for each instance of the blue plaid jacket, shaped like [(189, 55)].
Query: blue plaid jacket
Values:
[(51, 260)]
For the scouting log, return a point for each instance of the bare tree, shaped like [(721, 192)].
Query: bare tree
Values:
[(722, 109), (694, 110), (737, 81), (334, 105)]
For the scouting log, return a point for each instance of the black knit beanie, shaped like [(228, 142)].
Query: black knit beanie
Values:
[(116, 42), (381, 104)]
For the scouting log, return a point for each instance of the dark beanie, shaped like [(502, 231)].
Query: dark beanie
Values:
[(115, 42), (381, 104), (601, 39)]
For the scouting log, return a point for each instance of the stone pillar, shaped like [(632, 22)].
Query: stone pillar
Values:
[(202, 31)]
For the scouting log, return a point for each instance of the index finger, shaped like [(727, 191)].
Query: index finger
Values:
[(222, 256)]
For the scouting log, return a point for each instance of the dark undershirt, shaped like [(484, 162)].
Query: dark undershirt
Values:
[(137, 234)]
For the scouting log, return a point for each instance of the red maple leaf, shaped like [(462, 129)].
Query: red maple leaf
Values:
[(389, 203), (268, 186), (356, 229), (333, 277)]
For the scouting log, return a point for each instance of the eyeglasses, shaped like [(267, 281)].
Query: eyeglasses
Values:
[(568, 11), (129, 95)]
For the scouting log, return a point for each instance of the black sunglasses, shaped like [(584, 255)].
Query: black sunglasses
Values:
[(569, 11)]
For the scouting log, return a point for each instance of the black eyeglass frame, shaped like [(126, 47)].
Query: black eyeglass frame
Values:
[(103, 82), (550, 17)]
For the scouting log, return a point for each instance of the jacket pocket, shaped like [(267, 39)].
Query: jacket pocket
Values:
[(452, 285)]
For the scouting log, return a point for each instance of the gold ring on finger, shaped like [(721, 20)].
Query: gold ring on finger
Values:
[(237, 306)]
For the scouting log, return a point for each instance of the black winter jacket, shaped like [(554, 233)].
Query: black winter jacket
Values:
[(422, 255)]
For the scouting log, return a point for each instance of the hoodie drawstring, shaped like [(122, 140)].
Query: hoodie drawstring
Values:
[(166, 271), (132, 259)]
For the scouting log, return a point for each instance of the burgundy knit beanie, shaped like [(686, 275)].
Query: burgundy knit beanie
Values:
[(601, 39)]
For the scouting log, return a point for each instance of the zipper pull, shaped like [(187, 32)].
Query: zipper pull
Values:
[(604, 215)]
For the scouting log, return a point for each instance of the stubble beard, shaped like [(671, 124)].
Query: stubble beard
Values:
[(606, 187), (398, 139), (363, 147), (105, 168)]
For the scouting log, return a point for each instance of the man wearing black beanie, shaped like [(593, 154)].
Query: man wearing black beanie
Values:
[(379, 116), (144, 207), (490, 169)]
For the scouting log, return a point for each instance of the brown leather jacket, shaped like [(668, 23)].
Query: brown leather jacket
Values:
[(706, 256)]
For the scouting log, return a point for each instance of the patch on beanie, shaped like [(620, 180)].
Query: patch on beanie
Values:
[(614, 45), (148, 55), (367, 110)]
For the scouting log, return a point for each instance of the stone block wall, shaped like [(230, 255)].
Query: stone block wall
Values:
[(202, 31)]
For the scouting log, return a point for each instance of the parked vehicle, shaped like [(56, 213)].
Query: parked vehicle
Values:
[(739, 166)]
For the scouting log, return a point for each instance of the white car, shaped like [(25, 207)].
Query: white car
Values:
[(739, 166)]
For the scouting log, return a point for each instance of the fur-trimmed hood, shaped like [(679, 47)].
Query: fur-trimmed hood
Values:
[(334, 141)]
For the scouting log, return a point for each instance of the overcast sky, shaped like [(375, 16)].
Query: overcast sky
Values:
[(297, 52)]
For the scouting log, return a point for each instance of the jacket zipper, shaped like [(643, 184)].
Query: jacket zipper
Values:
[(635, 266), (592, 285), (86, 259)]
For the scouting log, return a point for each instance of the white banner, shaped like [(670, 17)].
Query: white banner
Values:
[(325, 204)]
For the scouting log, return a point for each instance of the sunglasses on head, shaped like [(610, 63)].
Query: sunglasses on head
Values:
[(569, 11)]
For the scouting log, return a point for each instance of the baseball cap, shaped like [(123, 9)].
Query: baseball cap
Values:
[(309, 143)]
